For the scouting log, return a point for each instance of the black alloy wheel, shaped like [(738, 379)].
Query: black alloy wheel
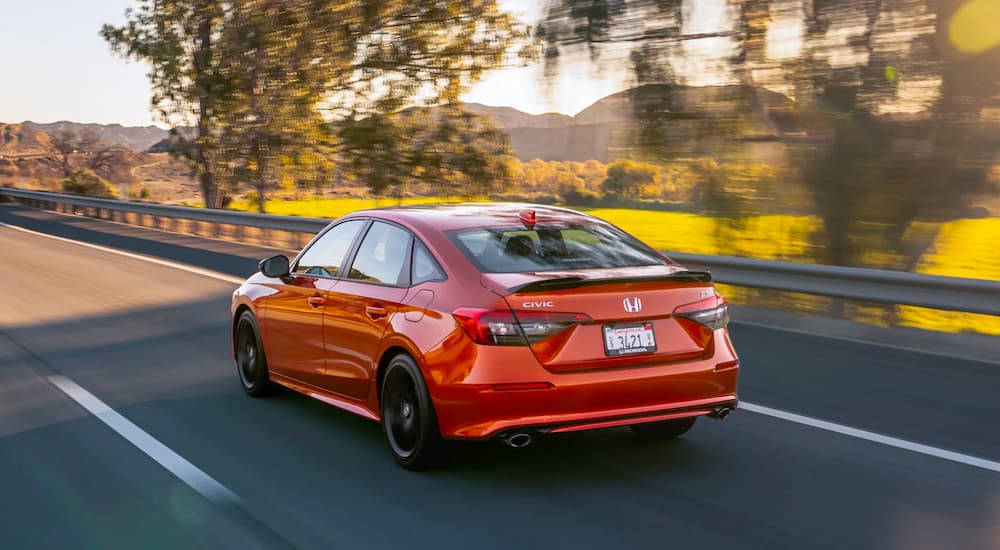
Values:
[(408, 417), (250, 361)]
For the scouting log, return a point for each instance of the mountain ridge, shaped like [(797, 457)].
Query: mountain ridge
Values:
[(601, 131)]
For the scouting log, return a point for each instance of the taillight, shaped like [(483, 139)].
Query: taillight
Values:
[(539, 325), (493, 327), (490, 327), (712, 312)]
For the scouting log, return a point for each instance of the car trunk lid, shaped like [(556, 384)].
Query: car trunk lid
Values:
[(629, 321)]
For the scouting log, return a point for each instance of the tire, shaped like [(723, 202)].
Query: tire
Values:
[(251, 365), (664, 430), (408, 418)]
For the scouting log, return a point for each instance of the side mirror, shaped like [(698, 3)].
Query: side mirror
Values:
[(275, 266)]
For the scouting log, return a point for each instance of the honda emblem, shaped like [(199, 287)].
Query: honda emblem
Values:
[(632, 305)]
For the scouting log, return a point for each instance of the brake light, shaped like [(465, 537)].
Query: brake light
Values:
[(528, 218), (712, 312), (506, 328)]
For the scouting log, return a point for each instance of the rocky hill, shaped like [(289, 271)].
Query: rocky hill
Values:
[(136, 138), (22, 139)]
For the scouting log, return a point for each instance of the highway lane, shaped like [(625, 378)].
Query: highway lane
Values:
[(151, 342)]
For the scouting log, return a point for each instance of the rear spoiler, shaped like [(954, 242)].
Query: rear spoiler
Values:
[(565, 283)]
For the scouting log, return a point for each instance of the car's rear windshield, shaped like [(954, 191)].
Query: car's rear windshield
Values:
[(552, 248)]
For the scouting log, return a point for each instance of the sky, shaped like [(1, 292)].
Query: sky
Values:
[(54, 66), (63, 70)]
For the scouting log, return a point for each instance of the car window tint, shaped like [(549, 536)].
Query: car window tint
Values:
[(382, 255), (425, 267), (327, 254), (552, 248)]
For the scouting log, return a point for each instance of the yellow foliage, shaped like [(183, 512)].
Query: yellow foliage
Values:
[(963, 248), (768, 237)]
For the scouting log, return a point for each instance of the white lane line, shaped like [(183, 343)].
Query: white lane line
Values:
[(873, 437), (163, 455), (167, 263)]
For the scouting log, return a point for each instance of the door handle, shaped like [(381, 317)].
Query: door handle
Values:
[(375, 313), (316, 301)]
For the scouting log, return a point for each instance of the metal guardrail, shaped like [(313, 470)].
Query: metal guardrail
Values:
[(872, 285), (853, 283), (229, 217)]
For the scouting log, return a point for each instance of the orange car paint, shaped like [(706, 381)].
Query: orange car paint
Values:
[(333, 352)]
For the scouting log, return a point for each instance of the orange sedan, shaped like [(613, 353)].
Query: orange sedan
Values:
[(487, 321)]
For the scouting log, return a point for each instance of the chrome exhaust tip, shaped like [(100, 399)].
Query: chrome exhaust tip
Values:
[(517, 440), (722, 412)]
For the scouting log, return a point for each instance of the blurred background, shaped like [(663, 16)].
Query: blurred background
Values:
[(842, 132)]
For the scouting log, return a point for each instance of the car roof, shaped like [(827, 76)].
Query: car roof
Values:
[(469, 215)]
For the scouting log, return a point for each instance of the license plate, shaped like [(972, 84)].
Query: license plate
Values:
[(629, 339)]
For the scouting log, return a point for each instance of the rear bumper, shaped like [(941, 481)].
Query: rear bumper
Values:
[(717, 409), (471, 409)]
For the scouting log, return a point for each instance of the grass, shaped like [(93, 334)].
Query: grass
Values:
[(962, 248)]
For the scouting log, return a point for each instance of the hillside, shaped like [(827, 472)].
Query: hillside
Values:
[(509, 117), (28, 160), (22, 139), (136, 138), (610, 127)]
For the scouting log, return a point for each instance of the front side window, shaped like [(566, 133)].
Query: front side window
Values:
[(381, 258), (552, 248), (326, 255)]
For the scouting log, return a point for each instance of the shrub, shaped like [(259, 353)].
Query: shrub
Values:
[(545, 198), (580, 196), (627, 178), (86, 182), (144, 193)]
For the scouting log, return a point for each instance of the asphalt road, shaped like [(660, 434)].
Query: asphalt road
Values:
[(151, 342)]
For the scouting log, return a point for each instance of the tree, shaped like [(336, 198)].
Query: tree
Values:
[(420, 53), (102, 159), (64, 141), (268, 75), (454, 152), (277, 65), (627, 178), (86, 182), (177, 39)]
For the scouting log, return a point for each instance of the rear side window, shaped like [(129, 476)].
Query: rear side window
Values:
[(381, 258), (326, 255), (552, 248), (425, 267)]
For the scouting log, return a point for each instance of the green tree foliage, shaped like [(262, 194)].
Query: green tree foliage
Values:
[(177, 39), (270, 130), (85, 182), (461, 154), (285, 88), (447, 151)]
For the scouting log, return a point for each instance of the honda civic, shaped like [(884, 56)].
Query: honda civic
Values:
[(485, 321)]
